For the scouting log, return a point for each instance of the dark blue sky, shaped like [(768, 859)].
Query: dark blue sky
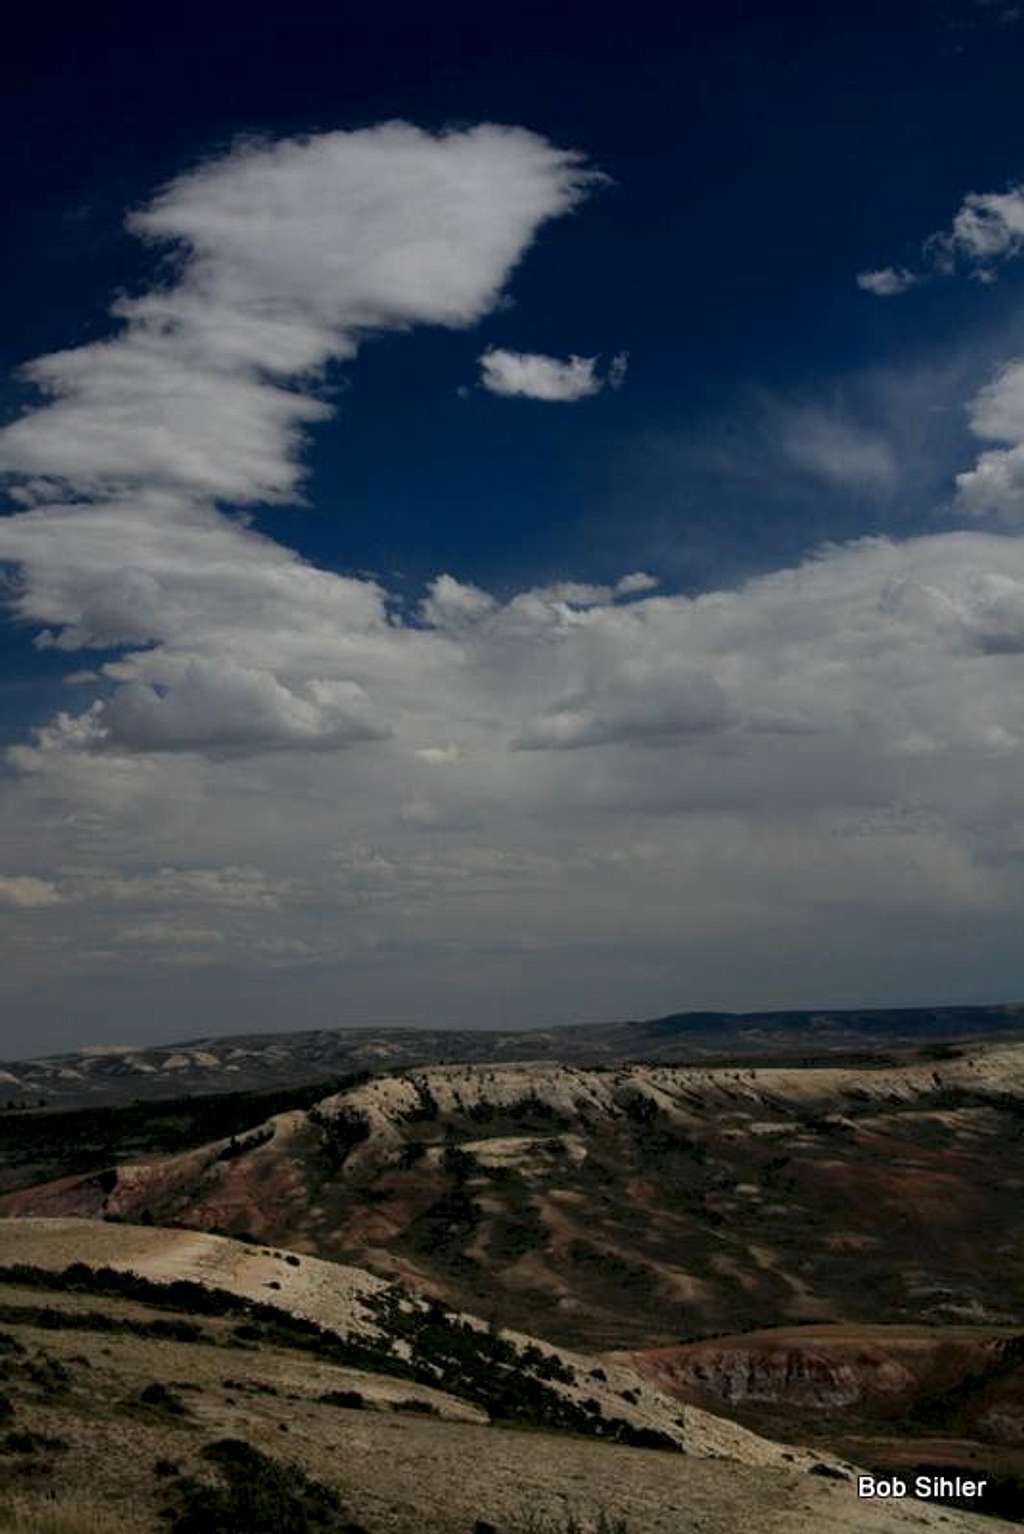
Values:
[(760, 157)]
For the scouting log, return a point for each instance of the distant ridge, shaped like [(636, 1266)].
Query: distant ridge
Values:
[(873, 1024), (253, 1061)]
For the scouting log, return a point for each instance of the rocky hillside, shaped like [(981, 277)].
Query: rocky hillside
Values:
[(710, 1200), (900, 1399), (942, 1377)]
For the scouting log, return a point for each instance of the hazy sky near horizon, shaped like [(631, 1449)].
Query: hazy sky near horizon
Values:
[(510, 522)]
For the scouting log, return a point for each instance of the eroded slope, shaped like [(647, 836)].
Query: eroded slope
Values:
[(635, 1206)]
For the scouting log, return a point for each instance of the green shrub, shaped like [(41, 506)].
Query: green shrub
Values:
[(415, 1405), (258, 1495), (353, 1399), (600, 1522), (340, 1133), (49, 1374), (49, 1318), (30, 1443), (236, 1147), (426, 1108), (159, 1396)]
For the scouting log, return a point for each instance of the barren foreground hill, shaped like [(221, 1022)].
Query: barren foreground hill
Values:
[(705, 1225), (370, 1313), (152, 1401)]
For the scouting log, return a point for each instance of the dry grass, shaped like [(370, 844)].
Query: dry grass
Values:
[(570, 1523), (68, 1515)]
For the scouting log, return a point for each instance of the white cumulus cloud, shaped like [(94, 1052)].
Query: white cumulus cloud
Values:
[(732, 798), (994, 487), (987, 231), (887, 281), (290, 254), (531, 375)]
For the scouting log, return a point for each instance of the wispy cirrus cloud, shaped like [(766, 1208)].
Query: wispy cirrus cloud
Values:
[(831, 446)]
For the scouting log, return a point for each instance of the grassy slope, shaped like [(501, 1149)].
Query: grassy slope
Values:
[(107, 1428)]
